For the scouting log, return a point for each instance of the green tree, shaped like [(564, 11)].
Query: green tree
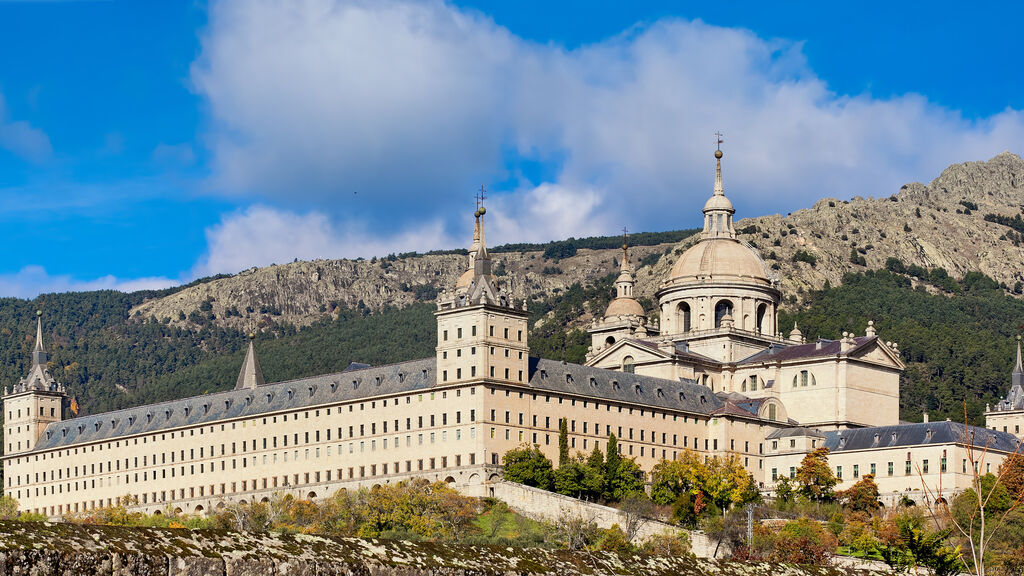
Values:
[(612, 460), (814, 477), (528, 465), (563, 442), (570, 478)]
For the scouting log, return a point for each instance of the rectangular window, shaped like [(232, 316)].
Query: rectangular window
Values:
[(890, 469), (839, 472)]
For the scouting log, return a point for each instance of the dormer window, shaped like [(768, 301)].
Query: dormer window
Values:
[(703, 400), (270, 396), (593, 382), (682, 396), (206, 408), (377, 380), (80, 428), (187, 410), (660, 393), (291, 393), (131, 420), (568, 378), (424, 373), (401, 377), (167, 413), (355, 384), (98, 426), (248, 400), (615, 384), (227, 405), (636, 389), (543, 373), (334, 386), (312, 390), (65, 432), (149, 417)]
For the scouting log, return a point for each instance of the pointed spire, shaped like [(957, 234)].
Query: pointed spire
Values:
[(39, 352), (251, 374), (719, 188), (1018, 369), (482, 261), (718, 209), (476, 238)]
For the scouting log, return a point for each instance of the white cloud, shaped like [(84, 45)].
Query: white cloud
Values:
[(260, 235), (31, 281), (21, 139), (412, 105)]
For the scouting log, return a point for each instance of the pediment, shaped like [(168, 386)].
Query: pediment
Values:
[(879, 353), (627, 347)]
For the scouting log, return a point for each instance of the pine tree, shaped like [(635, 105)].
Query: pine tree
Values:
[(563, 442), (612, 461)]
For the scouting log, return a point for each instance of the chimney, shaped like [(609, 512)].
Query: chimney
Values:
[(847, 343), (926, 417)]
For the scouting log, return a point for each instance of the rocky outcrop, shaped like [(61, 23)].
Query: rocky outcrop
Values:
[(49, 549), (300, 293), (941, 224)]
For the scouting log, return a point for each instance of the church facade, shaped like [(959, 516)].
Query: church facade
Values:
[(715, 376)]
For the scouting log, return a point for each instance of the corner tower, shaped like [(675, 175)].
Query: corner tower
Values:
[(481, 334), (34, 402)]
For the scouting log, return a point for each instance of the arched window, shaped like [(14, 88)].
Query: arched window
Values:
[(762, 313), (722, 309), (627, 365), (772, 415), (803, 378), (683, 315)]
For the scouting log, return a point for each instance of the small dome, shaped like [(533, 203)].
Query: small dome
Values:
[(465, 280), (719, 202), (624, 307), (719, 258)]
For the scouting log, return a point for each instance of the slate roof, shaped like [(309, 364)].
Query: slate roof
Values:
[(918, 434), (782, 352), (795, 431), (356, 383), (682, 350)]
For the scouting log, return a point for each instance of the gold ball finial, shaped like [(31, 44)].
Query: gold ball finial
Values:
[(625, 246), (252, 335), (718, 154), (482, 211), (39, 313)]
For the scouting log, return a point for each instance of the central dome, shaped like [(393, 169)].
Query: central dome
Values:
[(719, 259)]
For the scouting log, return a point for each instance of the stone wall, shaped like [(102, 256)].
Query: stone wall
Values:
[(548, 506), (54, 549)]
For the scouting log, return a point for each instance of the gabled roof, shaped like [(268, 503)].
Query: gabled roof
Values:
[(355, 384), (820, 349), (681, 350), (684, 395), (919, 434), (793, 432)]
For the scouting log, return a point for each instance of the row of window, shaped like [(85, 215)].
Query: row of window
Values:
[(284, 481), (115, 466), (490, 332)]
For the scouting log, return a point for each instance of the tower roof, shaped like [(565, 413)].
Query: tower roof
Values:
[(38, 377), (624, 304), (251, 375)]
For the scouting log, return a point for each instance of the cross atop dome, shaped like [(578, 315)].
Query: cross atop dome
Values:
[(718, 210)]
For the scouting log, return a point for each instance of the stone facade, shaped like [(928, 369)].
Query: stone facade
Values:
[(716, 377)]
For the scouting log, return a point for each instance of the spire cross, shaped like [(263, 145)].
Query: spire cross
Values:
[(719, 140), (480, 196), (625, 234)]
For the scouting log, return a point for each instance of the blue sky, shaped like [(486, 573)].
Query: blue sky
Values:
[(148, 143)]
